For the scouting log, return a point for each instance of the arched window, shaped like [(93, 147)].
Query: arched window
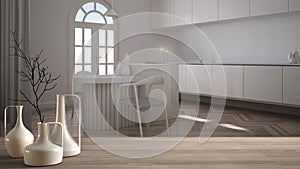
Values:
[(94, 40)]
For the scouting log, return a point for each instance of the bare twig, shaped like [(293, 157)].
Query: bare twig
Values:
[(36, 73)]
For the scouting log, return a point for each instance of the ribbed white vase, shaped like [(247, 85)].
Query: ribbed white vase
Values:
[(19, 137), (43, 152)]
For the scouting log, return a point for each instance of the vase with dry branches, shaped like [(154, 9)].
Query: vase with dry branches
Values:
[(36, 73)]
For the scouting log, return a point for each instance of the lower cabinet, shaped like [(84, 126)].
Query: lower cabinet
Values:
[(228, 81), (182, 78), (198, 79), (212, 80), (291, 85), (263, 83), (270, 84)]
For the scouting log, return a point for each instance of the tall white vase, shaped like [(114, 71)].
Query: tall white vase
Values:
[(71, 147), (19, 137), (43, 152)]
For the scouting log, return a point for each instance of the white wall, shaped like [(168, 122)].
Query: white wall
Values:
[(266, 39), (49, 31), (255, 40)]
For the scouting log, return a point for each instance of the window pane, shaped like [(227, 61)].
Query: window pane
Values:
[(109, 20), (101, 8), (110, 38), (89, 6), (78, 68), (87, 37), (110, 69), (78, 36), (102, 37), (87, 55), (88, 68), (110, 55), (102, 70), (78, 55), (79, 16), (102, 54), (94, 18)]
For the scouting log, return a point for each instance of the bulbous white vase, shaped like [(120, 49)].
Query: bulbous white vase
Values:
[(71, 147), (43, 152), (19, 137)]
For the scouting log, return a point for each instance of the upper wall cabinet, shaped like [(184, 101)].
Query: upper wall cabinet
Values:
[(160, 17), (231, 9), (182, 11), (265, 7), (294, 5), (205, 10)]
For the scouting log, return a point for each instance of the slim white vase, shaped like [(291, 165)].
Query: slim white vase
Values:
[(19, 137), (71, 147), (43, 152)]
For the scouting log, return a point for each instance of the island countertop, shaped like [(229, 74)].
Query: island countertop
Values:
[(95, 79)]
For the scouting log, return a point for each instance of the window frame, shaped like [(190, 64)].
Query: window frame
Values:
[(95, 46)]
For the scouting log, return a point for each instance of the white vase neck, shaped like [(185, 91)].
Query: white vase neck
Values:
[(61, 109), (19, 122), (43, 132)]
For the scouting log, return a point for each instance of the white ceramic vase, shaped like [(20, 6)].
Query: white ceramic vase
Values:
[(19, 137), (71, 147), (43, 152)]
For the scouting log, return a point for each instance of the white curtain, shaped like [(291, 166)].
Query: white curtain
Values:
[(14, 17)]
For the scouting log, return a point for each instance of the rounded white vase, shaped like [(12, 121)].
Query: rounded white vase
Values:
[(43, 152), (19, 137)]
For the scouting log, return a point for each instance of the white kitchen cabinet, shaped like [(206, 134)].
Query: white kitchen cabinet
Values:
[(291, 85), (228, 81), (265, 7), (294, 5), (198, 79), (181, 12), (263, 83), (231, 9), (205, 11), (182, 78), (160, 16)]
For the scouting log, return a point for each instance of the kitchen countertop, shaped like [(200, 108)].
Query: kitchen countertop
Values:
[(244, 64), (228, 64), (95, 79)]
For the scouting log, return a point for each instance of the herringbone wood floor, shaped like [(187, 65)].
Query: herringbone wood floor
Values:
[(236, 122), (254, 123)]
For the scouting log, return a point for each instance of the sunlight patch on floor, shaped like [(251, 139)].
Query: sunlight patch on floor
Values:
[(225, 125)]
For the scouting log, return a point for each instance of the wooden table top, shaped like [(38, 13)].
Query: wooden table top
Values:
[(218, 152)]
